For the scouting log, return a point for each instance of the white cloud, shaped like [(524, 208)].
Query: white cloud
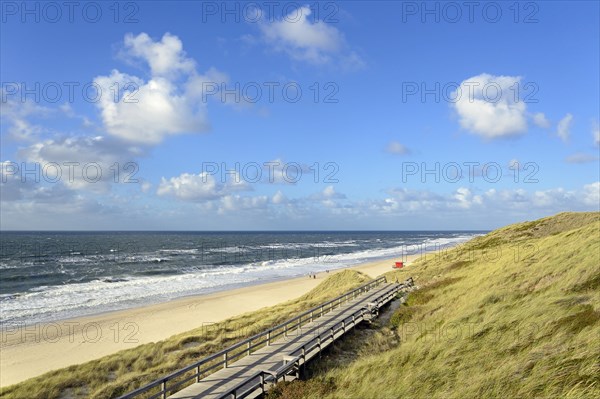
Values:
[(465, 198), (581, 157), (486, 106), (314, 42), (279, 198), (395, 147), (596, 133), (165, 58), (199, 187), (146, 186), (236, 203), (563, 130), (170, 102), (540, 120), (12, 188), (481, 205), (90, 163), (17, 114), (160, 110), (189, 186), (591, 194), (328, 197)]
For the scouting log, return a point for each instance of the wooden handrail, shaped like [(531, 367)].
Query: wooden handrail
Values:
[(284, 369), (266, 333)]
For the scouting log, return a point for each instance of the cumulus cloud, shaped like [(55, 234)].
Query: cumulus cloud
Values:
[(465, 198), (486, 106), (237, 203), (12, 188), (314, 42), (329, 193), (172, 101), (165, 57), (328, 197), (395, 147), (563, 130), (279, 198), (539, 119), (403, 201), (83, 162), (199, 187), (591, 194), (16, 115)]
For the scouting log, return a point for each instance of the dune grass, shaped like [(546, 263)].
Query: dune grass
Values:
[(129, 369), (512, 314)]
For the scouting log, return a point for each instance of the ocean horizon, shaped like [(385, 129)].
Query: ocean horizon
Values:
[(54, 275)]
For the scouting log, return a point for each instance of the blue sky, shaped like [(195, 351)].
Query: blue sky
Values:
[(507, 94)]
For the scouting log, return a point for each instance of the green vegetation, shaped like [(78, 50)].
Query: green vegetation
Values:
[(512, 314), (126, 370)]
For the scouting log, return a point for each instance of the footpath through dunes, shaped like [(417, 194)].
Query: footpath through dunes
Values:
[(512, 314), (127, 370)]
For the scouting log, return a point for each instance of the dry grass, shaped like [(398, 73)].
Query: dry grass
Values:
[(513, 314)]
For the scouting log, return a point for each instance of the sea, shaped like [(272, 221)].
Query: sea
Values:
[(49, 276)]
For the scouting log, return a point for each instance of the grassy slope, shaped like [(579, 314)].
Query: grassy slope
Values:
[(513, 314), (126, 370)]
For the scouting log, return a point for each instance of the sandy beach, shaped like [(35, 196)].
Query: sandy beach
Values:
[(39, 348)]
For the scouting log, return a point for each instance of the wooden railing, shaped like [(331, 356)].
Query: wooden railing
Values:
[(222, 358), (260, 379)]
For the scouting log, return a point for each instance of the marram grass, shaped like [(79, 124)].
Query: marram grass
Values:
[(513, 314)]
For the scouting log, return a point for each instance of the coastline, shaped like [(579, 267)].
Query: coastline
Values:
[(33, 350)]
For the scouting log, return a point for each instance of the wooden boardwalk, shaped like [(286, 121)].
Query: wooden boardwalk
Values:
[(298, 346), (250, 367)]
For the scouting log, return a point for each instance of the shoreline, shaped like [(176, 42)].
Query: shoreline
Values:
[(35, 349)]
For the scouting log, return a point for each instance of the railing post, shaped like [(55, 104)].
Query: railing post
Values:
[(163, 388), (262, 382), (337, 302)]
